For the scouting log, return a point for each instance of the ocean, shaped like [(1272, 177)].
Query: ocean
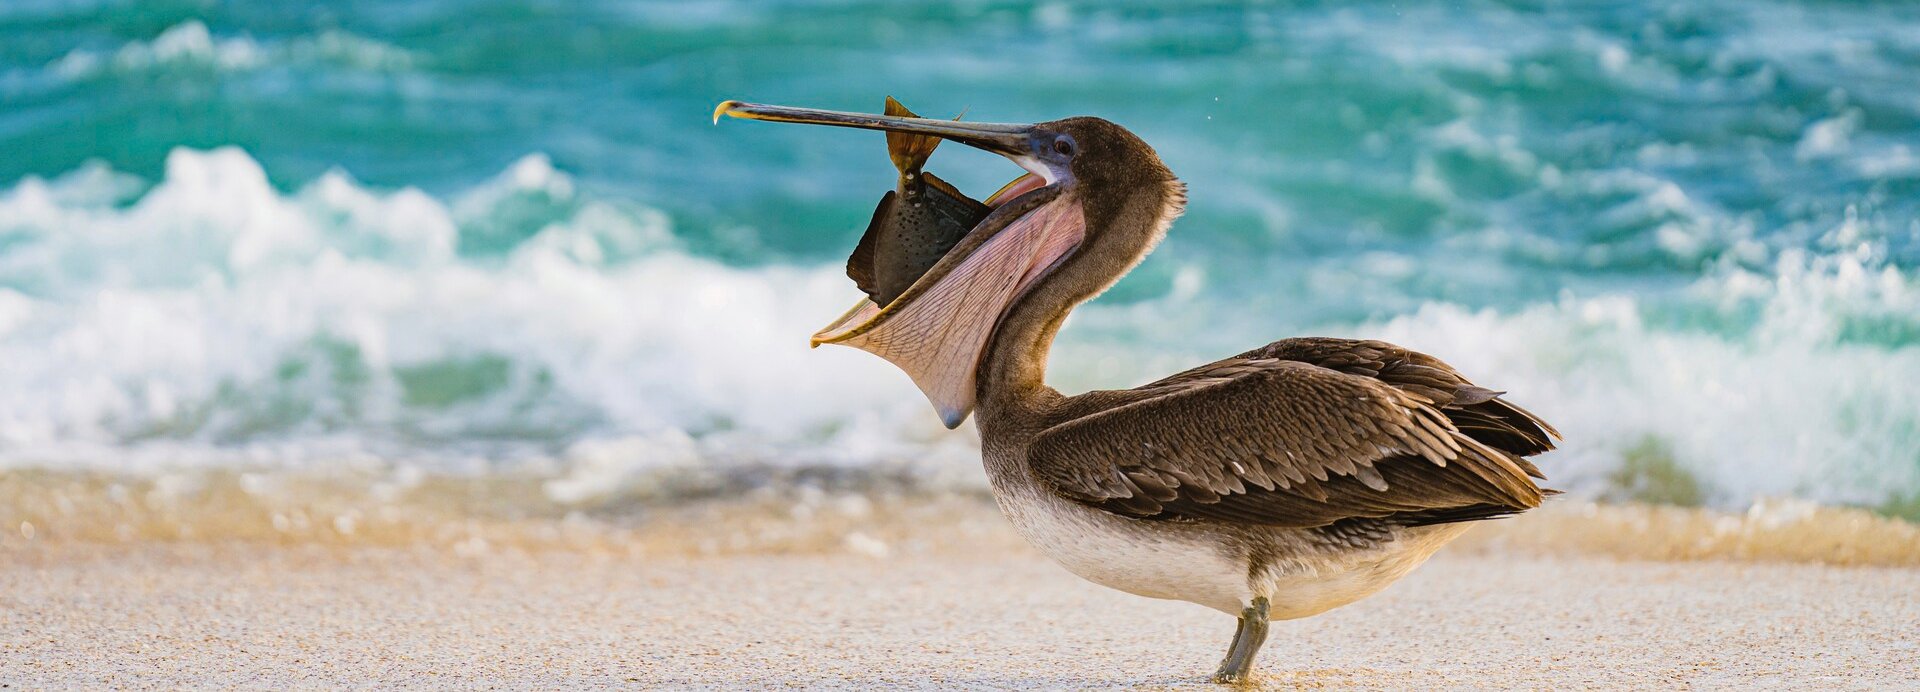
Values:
[(490, 238)]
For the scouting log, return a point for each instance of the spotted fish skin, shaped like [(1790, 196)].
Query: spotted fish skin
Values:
[(914, 225)]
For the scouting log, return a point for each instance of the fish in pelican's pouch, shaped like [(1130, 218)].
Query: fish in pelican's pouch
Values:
[(914, 225)]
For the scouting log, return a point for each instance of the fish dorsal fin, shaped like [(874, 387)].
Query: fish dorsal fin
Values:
[(908, 151)]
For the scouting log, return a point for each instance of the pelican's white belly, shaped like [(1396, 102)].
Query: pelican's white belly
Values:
[(1159, 561), (1196, 563), (1307, 588)]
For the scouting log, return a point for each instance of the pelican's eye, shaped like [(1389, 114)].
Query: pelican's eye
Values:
[(1063, 145)]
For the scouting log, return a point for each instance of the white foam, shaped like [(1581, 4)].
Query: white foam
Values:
[(1788, 407), (1828, 137), (191, 43), (176, 321), (213, 320)]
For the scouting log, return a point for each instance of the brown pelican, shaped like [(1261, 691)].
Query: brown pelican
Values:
[(1280, 483)]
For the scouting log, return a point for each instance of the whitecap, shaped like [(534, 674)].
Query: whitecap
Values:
[(192, 44), (1828, 137)]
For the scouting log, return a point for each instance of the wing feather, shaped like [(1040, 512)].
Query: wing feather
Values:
[(1302, 432)]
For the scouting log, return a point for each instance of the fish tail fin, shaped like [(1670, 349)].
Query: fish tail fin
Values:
[(909, 151)]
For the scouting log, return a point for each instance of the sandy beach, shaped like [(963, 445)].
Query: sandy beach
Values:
[(251, 614)]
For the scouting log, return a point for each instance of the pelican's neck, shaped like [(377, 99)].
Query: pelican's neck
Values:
[(1013, 373), (1123, 223)]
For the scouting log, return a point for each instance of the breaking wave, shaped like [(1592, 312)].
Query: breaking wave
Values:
[(526, 326), (212, 320)]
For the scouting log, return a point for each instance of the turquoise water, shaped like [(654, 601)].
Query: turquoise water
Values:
[(504, 235)]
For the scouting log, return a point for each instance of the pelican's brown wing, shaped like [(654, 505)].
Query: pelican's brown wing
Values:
[(1273, 437), (1477, 411)]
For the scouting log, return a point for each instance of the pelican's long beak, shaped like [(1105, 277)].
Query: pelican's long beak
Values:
[(1011, 141), (939, 329)]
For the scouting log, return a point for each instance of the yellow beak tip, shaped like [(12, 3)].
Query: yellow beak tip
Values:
[(723, 109)]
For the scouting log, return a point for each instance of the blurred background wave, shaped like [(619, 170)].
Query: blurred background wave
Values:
[(501, 237)]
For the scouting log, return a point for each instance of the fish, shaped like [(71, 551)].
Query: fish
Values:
[(915, 224)]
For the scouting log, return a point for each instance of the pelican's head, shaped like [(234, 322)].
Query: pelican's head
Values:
[(938, 330)]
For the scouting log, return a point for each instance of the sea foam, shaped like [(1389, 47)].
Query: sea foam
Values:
[(215, 318), (209, 320)]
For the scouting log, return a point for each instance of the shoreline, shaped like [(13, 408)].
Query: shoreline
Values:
[(477, 515)]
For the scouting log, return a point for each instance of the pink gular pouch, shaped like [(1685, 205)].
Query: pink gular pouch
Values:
[(937, 330)]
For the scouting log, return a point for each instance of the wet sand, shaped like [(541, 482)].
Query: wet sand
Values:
[(259, 615)]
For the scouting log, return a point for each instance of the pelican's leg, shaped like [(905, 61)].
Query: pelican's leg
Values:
[(1246, 642)]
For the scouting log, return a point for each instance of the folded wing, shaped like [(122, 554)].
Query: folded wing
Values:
[(1300, 433)]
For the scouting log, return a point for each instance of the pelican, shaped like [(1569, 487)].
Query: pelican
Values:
[(1280, 483)]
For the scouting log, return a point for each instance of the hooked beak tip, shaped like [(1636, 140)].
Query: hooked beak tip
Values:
[(725, 108)]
